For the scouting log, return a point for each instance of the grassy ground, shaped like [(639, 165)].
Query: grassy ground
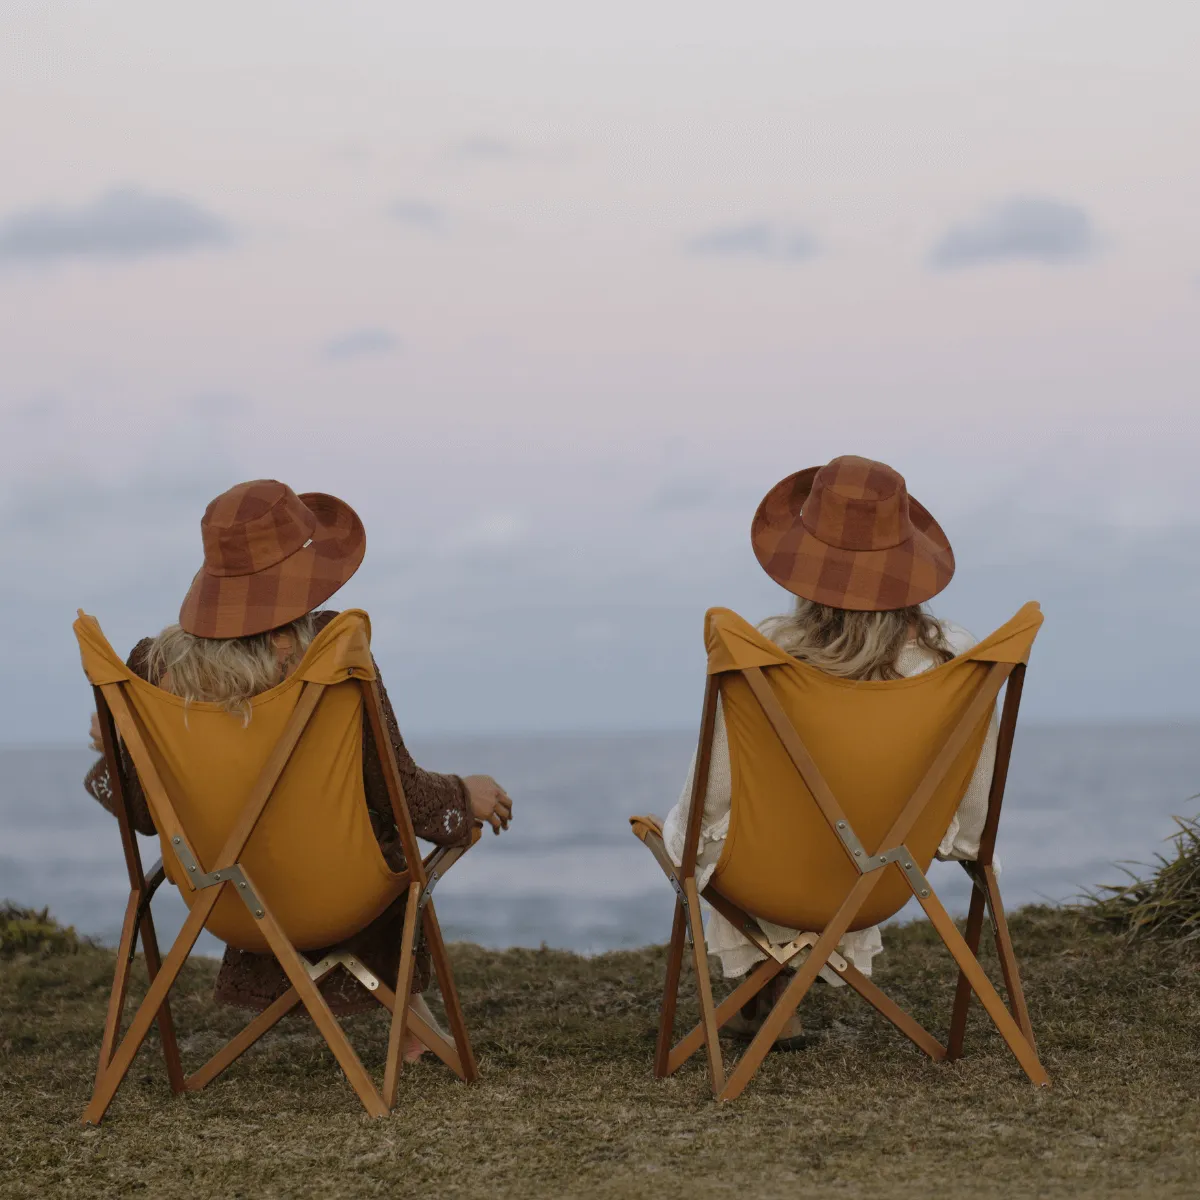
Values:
[(567, 1104)]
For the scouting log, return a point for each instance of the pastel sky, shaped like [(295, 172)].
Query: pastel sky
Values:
[(553, 293)]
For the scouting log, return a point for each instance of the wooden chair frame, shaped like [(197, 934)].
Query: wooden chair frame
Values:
[(226, 871), (891, 854)]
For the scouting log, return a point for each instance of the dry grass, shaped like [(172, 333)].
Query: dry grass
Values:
[(567, 1104)]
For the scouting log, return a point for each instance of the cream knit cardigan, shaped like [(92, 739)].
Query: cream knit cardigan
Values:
[(737, 955)]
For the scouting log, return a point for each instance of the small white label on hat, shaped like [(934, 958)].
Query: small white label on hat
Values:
[(306, 544)]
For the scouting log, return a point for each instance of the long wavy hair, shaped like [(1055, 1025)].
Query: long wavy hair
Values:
[(856, 645), (225, 671)]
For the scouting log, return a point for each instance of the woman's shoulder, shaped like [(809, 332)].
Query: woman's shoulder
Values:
[(958, 638)]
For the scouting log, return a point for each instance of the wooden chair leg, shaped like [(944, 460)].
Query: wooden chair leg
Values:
[(1008, 958), (403, 996), (107, 1085), (716, 1064), (962, 994), (887, 1007), (238, 1045), (666, 1019), (166, 1023), (797, 989), (742, 994), (445, 1050), (326, 1022), (450, 1001), (120, 986), (1025, 1054)]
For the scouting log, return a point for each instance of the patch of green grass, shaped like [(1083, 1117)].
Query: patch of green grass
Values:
[(568, 1106), (28, 931)]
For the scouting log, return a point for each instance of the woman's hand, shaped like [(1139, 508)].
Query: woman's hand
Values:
[(489, 801), (97, 743)]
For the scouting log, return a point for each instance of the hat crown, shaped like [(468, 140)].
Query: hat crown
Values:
[(858, 504), (253, 526)]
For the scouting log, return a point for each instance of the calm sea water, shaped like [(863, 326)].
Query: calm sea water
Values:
[(569, 873)]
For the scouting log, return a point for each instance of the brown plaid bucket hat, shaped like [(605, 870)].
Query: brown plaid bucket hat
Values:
[(270, 556), (849, 535)]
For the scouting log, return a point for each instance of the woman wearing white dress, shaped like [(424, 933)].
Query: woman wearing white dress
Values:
[(862, 557)]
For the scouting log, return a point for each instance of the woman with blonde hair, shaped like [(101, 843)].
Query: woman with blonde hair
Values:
[(271, 558), (862, 557)]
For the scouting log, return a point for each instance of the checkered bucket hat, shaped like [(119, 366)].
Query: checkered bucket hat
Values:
[(270, 556), (849, 535)]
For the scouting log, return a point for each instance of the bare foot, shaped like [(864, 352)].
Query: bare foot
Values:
[(413, 1046)]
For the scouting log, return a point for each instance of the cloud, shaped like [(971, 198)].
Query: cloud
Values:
[(756, 239), (1023, 228), (125, 224), (360, 343), (485, 148), (496, 530), (419, 214), (682, 495)]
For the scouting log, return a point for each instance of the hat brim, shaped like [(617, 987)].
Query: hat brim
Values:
[(864, 580), (229, 606)]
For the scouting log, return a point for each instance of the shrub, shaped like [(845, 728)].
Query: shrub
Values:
[(1165, 904), (27, 931)]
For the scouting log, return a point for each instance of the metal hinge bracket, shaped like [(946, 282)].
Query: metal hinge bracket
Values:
[(427, 891), (353, 964), (233, 875)]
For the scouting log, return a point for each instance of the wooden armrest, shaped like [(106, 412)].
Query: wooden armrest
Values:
[(643, 827)]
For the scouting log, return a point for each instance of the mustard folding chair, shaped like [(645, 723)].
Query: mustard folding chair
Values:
[(842, 793), (265, 831)]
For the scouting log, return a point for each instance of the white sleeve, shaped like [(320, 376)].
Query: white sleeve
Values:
[(966, 827), (714, 827)]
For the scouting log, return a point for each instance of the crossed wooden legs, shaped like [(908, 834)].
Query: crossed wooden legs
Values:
[(1013, 1026), (115, 1059), (138, 919)]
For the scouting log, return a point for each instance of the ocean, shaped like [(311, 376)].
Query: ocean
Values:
[(569, 874)]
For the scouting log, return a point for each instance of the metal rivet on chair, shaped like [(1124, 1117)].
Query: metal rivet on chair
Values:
[(242, 884), (841, 824), (216, 874), (908, 866), (858, 854), (924, 891), (258, 912), (176, 840), (192, 867)]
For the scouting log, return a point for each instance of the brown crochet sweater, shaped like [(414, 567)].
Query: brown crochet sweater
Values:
[(441, 814)]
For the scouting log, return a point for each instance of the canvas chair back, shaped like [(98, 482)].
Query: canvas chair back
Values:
[(313, 854), (872, 741)]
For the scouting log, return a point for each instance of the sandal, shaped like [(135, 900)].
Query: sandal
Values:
[(792, 1035), (744, 1023)]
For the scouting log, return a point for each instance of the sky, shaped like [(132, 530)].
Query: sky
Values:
[(553, 294)]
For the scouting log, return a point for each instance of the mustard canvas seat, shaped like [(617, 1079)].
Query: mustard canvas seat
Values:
[(265, 831), (842, 791)]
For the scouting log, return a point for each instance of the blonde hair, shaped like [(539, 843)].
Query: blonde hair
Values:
[(225, 671), (856, 645)]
